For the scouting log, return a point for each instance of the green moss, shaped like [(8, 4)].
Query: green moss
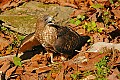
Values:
[(18, 21)]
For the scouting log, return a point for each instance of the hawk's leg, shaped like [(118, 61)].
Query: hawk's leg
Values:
[(51, 56)]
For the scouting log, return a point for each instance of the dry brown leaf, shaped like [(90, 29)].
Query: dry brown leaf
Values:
[(93, 17), (90, 2), (43, 69), (74, 66), (92, 55), (40, 58), (28, 43), (32, 66), (4, 4), (10, 71), (67, 76), (53, 75), (18, 78), (81, 31), (77, 12), (1, 62), (30, 76), (5, 66), (1, 34), (101, 0), (35, 64), (69, 4), (116, 13), (25, 77), (100, 25), (90, 65), (19, 70), (113, 76), (3, 43), (37, 57), (97, 38), (29, 69), (60, 75), (118, 60)]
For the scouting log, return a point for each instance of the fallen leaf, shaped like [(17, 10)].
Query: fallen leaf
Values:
[(29, 69), (60, 75), (77, 12), (3, 43), (5, 66), (18, 78), (30, 76), (67, 76), (10, 71), (43, 69), (29, 42), (113, 76), (118, 60), (37, 57), (74, 66), (116, 13), (97, 38), (19, 70), (69, 5), (53, 75), (81, 31), (90, 65), (35, 64), (9, 3)]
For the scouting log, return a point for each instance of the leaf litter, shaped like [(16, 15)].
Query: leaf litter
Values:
[(98, 60)]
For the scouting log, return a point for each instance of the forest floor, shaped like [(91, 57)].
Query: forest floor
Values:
[(99, 59)]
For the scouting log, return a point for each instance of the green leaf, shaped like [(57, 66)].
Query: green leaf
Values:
[(83, 17), (88, 29), (93, 24), (100, 30), (97, 6), (74, 76), (84, 26), (113, 23), (111, 1), (3, 28), (17, 61), (106, 13), (20, 37), (77, 22), (72, 21)]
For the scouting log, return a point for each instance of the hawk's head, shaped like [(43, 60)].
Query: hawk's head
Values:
[(48, 19)]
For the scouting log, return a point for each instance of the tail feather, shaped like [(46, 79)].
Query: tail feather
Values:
[(82, 41)]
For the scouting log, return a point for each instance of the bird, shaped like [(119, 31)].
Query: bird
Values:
[(58, 39)]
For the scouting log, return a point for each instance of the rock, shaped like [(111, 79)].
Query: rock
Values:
[(103, 47), (23, 18)]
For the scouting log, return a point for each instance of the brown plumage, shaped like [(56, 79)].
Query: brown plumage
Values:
[(58, 39)]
